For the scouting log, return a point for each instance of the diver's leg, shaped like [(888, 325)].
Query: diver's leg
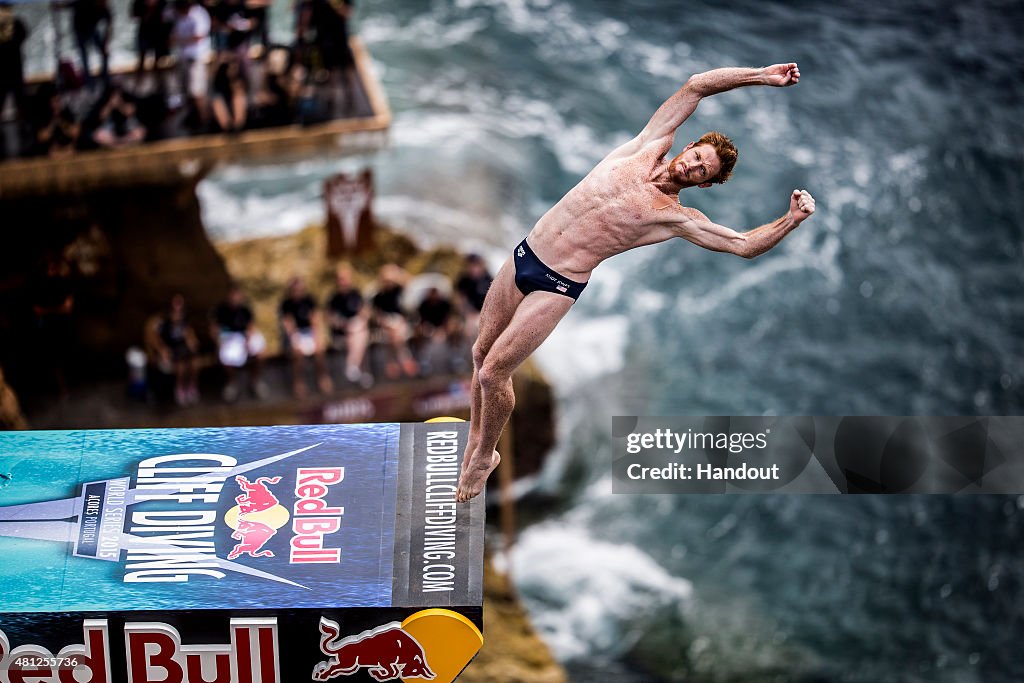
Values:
[(534, 319), (499, 306)]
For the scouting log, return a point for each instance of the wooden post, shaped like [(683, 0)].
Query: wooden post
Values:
[(506, 479)]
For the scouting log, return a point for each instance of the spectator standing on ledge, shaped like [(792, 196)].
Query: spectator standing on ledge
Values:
[(303, 332), (240, 28), (231, 80), (93, 25), (12, 69), (153, 31), (190, 38), (257, 11), (218, 26), (238, 343), (347, 318), (328, 19)]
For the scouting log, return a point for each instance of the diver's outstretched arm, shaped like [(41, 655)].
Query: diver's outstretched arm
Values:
[(678, 108), (695, 227)]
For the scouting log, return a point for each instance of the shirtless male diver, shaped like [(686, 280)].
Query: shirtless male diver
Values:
[(629, 200)]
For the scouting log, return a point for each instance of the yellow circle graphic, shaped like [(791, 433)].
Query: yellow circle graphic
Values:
[(274, 517)]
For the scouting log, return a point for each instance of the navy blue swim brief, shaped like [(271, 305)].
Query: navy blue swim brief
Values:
[(533, 276)]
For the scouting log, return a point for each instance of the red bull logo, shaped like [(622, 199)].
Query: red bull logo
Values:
[(399, 650), (256, 517), (387, 652), (256, 496)]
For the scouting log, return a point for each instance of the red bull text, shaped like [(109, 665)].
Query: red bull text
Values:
[(154, 654), (313, 517)]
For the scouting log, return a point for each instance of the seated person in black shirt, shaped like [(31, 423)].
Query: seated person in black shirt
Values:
[(472, 286), (389, 317), (176, 347), (303, 337), (230, 101), (239, 343), (57, 128), (347, 319), (272, 102), (435, 326), (435, 315)]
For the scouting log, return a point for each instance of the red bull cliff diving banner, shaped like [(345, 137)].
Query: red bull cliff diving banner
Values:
[(249, 555)]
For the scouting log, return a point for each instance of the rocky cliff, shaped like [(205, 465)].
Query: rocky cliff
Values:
[(125, 254)]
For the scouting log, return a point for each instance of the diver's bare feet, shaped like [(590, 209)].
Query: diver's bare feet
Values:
[(473, 478), (467, 457)]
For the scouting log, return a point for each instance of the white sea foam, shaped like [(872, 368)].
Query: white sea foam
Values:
[(694, 304), (241, 201), (593, 592), (433, 224), (427, 29), (486, 118), (581, 349), (233, 216)]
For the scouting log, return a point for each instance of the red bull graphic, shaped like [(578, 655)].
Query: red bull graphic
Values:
[(256, 497), (387, 652), (251, 536), (256, 518)]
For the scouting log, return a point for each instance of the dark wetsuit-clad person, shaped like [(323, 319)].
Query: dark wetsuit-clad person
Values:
[(629, 200)]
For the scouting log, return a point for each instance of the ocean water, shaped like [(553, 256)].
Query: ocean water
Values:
[(901, 296)]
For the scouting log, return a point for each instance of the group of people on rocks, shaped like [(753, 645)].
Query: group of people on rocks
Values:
[(431, 333)]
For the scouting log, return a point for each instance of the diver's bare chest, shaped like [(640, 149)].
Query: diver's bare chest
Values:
[(630, 199)]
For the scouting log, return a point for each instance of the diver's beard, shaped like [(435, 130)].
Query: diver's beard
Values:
[(681, 180), (676, 175)]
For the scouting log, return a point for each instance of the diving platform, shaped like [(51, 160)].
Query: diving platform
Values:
[(242, 555), (179, 159)]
